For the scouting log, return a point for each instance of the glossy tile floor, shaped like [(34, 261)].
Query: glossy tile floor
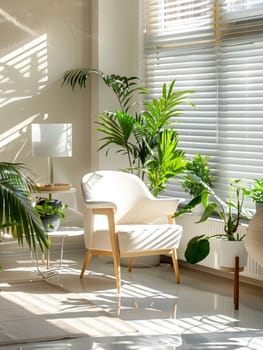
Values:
[(197, 314)]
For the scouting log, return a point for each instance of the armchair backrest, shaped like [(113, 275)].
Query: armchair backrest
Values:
[(128, 193)]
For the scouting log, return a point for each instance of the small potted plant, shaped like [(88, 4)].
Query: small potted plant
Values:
[(230, 212), (51, 212), (256, 193)]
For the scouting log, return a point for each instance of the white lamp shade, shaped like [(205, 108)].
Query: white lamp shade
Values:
[(51, 140)]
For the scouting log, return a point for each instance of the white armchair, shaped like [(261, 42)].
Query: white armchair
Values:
[(120, 220)]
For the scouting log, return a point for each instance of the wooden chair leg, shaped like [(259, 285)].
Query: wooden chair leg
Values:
[(131, 264), (115, 247), (175, 265), (85, 263)]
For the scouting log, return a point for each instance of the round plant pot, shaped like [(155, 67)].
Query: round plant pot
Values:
[(51, 222), (228, 250)]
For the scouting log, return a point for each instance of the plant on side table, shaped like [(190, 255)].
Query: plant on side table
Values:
[(230, 212), (51, 212)]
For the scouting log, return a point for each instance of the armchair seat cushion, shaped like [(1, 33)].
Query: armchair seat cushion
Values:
[(134, 238)]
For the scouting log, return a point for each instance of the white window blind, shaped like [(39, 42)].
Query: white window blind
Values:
[(216, 49)]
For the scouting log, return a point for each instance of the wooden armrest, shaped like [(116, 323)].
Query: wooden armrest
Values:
[(99, 204), (109, 212)]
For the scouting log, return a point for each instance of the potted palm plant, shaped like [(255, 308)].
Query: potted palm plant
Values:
[(17, 214), (146, 137), (230, 212)]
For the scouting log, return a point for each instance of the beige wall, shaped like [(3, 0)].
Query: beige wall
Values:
[(118, 53), (40, 40)]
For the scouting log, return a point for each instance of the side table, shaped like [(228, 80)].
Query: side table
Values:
[(63, 232), (57, 190)]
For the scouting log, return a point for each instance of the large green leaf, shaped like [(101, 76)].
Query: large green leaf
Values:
[(190, 205), (209, 210), (197, 249)]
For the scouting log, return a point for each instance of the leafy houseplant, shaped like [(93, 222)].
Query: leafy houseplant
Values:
[(165, 161), (256, 192), (17, 214), (147, 140), (230, 212), (143, 136), (51, 212), (199, 166)]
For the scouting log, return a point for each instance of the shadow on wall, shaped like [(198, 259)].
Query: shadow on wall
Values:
[(31, 67), (24, 97)]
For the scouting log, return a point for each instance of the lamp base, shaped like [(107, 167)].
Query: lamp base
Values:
[(53, 187)]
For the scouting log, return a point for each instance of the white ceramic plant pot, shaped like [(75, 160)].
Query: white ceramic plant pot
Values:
[(51, 222), (228, 250)]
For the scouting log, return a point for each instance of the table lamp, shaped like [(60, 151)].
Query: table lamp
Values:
[(51, 140)]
